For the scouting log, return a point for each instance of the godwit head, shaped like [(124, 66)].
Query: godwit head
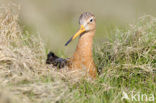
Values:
[(87, 24)]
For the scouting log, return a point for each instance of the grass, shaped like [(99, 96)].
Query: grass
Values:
[(127, 62)]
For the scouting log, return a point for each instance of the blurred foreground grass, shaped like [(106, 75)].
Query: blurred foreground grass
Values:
[(127, 61)]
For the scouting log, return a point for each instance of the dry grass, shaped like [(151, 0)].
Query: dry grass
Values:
[(24, 77), (134, 48)]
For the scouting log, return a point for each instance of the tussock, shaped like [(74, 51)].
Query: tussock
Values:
[(23, 72), (133, 49)]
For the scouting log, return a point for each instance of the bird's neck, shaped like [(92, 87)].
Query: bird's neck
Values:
[(83, 53), (82, 57), (84, 47)]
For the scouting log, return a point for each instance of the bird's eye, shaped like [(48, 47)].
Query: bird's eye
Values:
[(91, 20)]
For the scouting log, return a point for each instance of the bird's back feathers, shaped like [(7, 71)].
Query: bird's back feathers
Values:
[(55, 60)]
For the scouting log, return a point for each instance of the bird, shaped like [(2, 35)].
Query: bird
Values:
[(82, 57)]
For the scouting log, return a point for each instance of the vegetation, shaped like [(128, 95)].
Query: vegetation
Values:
[(127, 62)]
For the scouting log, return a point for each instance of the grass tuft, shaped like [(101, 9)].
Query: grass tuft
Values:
[(24, 77)]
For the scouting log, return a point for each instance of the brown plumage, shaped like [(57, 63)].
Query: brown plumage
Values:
[(82, 58)]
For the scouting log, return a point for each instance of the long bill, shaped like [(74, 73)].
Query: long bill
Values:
[(81, 30)]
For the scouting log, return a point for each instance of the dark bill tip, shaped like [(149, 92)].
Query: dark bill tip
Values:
[(69, 41)]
